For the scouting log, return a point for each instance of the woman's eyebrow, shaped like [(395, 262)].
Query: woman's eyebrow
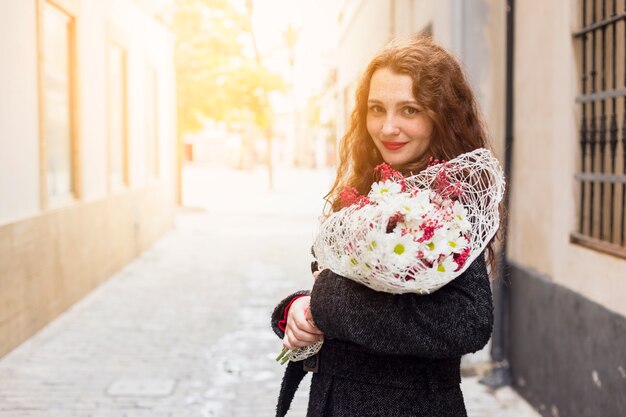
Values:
[(400, 103)]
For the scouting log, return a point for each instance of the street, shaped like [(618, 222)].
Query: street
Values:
[(183, 330)]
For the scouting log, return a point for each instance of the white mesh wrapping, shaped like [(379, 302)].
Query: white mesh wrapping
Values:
[(483, 188), (301, 354), (482, 179)]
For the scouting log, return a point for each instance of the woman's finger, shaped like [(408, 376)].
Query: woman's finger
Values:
[(292, 340), (304, 324), (305, 337), (308, 316), (287, 342), (303, 330), (294, 344), (298, 338), (297, 317), (310, 323)]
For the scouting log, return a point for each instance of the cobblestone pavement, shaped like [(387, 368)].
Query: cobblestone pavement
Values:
[(183, 330)]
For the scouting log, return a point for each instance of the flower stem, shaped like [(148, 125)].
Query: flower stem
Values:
[(282, 355)]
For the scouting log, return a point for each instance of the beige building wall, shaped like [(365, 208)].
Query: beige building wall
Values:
[(544, 199), (51, 256), (19, 118), (364, 28), (19, 137), (474, 30)]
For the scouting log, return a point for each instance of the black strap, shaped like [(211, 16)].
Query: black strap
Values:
[(294, 374)]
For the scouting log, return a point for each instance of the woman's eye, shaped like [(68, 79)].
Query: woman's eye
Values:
[(376, 109), (410, 111)]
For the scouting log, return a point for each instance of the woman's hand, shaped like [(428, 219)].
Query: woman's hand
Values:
[(300, 330)]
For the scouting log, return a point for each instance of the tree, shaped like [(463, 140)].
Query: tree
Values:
[(219, 76)]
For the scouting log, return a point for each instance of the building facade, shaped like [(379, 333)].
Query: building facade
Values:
[(565, 308), (566, 246), (87, 151)]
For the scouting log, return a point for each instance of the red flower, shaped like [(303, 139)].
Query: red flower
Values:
[(461, 258), (393, 221), (428, 227), (442, 184), (386, 172), (349, 196)]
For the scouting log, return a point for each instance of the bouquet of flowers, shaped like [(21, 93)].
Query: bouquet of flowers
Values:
[(413, 234)]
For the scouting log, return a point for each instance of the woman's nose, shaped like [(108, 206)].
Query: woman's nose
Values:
[(390, 126)]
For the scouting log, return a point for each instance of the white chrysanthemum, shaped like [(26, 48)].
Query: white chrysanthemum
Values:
[(352, 263), (366, 214), (449, 241), (400, 250), (424, 199), (392, 203), (447, 264), (382, 190), (442, 247), (460, 217), (372, 248), (414, 207), (433, 248), (458, 243)]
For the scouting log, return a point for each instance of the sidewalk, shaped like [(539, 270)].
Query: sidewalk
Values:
[(183, 330)]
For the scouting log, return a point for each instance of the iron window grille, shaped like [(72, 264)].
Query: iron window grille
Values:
[(602, 136)]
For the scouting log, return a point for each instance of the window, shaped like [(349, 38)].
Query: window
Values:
[(601, 178), (152, 130), (117, 116), (58, 105)]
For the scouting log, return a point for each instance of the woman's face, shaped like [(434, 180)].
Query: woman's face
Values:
[(399, 127)]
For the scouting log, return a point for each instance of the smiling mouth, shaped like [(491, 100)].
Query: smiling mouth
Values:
[(393, 146)]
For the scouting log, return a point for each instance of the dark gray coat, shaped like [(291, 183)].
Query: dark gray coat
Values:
[(387, 355)]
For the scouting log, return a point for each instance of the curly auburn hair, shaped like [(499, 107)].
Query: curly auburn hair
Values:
[(442, 90)]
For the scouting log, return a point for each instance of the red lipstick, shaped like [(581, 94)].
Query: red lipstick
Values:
[(393, 146)]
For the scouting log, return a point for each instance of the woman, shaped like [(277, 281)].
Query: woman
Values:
[(385, 354)]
